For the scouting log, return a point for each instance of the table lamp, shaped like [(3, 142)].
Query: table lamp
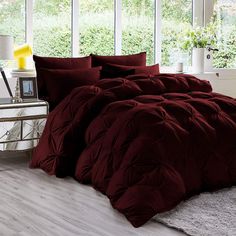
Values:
[(20, 54), (6, 53)]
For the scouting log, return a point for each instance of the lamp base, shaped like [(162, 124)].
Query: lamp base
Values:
[(16, 100)]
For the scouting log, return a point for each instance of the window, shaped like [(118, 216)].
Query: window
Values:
[(225, 17), (12, 19), (138, 27), (51, 31), (176, 17), (52, 27), (96, 27)]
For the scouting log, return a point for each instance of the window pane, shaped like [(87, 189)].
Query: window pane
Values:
[(96, 26), (52, 27), (138, 27), (225, 17), (12, 19), (176, 17)]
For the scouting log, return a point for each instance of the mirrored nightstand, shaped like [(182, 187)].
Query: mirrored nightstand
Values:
[(21, 124)]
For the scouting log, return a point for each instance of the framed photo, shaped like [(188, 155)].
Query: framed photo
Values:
[(28, 88)]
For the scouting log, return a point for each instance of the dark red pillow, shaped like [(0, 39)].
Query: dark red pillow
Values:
[(108, 72), (128, 60), (59, 83), (57, 63), (111, 70)]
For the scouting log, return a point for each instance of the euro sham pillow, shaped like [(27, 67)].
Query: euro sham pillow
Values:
[(111, 70), (138, 59), (59, 83), (57, 63)]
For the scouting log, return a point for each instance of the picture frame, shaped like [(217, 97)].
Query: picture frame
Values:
[(28, 88)]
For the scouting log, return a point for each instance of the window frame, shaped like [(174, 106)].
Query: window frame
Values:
[(118, 27), (75, 28), (157, 32), (29, 21)]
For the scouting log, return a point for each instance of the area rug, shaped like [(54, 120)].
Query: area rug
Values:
[(208, 214)]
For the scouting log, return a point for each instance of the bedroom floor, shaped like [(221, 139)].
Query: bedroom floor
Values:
[(33, 203)]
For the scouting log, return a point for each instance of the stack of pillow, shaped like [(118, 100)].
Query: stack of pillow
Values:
[(56, 77)]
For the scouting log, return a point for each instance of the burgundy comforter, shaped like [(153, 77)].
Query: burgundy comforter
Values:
[(145, 143)]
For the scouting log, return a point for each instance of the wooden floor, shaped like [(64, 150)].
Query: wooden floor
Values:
[(35, 204)]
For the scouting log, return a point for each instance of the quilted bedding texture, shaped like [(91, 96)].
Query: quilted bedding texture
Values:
[(147, 143)]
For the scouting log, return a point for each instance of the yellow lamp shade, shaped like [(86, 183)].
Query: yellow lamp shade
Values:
[(23, 51), (20, 54)]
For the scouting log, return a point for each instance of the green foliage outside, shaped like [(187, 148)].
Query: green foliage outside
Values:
[(52, 32), (96, 31), (226, 56), (12, 20), (51, 7), (52, 36), (11, 9), (172, 39), (96, 40), (53, 42), (134, 42), (177, 11), (96, 6)]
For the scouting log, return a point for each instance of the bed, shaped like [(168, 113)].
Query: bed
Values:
[(146, 140)]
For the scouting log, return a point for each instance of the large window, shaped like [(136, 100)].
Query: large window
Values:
[(12, 19), (176, 18), (225, 18), (96, 27), (52, 27), (138, 27)]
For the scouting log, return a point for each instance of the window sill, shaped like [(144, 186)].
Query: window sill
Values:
[(222, 74)]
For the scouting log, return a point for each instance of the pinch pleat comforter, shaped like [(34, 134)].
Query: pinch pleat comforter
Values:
[(146, 143)]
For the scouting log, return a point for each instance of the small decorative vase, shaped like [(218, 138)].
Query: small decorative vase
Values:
[(198, 60)]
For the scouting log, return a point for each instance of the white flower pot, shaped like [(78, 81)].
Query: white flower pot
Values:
[(198, 60)]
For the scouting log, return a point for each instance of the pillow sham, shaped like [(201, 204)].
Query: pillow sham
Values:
[(108, 72), (57, 63), (128, 60), (112, 70), (59, 83)]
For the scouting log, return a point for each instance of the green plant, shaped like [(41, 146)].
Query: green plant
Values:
[(199, 37)]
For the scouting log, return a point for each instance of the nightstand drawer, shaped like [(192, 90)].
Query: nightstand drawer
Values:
[(8, 113)]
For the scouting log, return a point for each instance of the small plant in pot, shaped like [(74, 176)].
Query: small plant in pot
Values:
[(197, 39)]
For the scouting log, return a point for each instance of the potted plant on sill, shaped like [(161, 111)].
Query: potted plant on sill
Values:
[(197, 39)]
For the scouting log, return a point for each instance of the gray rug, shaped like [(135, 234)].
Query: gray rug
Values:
[(209, 214)]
